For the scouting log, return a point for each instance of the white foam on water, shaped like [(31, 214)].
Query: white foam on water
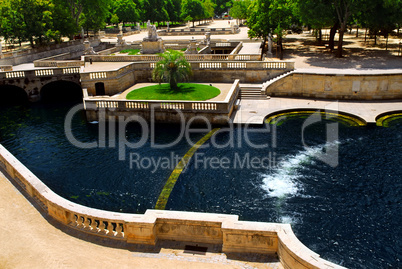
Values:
[(288, 220), (282, 181)]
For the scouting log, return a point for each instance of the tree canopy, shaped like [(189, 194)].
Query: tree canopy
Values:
[(173, 68), (42, 21)]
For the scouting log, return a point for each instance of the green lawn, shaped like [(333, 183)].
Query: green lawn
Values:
[(187, 91), (131, 51)]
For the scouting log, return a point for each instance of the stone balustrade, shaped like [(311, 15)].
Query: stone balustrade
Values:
[(39, 73), (154, 225), (116, 105), (197, 31), (217, 112), (189, 57)]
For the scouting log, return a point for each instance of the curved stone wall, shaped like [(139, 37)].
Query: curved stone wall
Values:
[(335, 84), (234, 235)]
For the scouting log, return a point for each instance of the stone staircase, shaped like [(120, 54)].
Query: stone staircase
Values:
[(257, 91), (252, 91), (266, 84)]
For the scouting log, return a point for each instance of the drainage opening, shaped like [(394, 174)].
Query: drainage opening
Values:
[(195, 249)]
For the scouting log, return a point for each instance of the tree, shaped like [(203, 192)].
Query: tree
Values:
[(382, 17), (222, 6), (126, 11), (307, 10), (86, 13), (270, 17), (93, 18), (154, 10), (192, 10), (115, 19), (173, 8), (173, 68), (240, 9)]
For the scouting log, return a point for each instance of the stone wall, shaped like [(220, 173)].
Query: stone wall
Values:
[(31, 55), (148, 228), (210, 72), (359, 86)]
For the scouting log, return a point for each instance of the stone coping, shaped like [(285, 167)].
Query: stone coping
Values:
[(147, 228), (348, 72)]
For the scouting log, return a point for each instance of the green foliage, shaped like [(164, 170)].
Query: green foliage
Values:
[(173, 68), (184, 91), (192, 10), (240, 9), (115, 19), (222, 6), (126, 10), (154, 10), (131, 51), (93, 18), (269, 17), (307, 10)]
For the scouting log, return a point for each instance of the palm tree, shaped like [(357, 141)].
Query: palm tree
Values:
[(173, 68)]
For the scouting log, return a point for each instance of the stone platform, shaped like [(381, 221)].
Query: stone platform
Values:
[(255, 111)]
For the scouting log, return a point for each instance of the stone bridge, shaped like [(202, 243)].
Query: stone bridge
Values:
[(34, 84)]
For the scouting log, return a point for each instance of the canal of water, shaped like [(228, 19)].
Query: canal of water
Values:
[(339, 186)]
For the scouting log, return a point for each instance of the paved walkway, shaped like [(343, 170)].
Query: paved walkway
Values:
[(242, 36), (255, 111), (29, 241), (250, 48)]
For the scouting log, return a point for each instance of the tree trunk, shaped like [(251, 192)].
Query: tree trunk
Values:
[(386, 44), (357, 30), (320, 36), (173, 84), (263, 47), (340, 42), (331, 44), (365, 36)]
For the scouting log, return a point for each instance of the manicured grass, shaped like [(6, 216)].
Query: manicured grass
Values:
[(186, 91), (131, 51)]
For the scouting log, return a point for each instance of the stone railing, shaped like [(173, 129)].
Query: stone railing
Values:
[(153, 225), (39, 72), (198, 31), (237, 49), (197, 65), (155, 58), (226, 106), (58, 61)]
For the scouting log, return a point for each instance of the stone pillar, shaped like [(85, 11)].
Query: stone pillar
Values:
[(1, 51), (138, 26), (167, 26)]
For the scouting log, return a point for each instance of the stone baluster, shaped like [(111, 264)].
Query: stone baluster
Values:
[(79, 222), (119, 230), (110, 229), (86, 223), (93, 225), (73, 220), (102, 227)]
